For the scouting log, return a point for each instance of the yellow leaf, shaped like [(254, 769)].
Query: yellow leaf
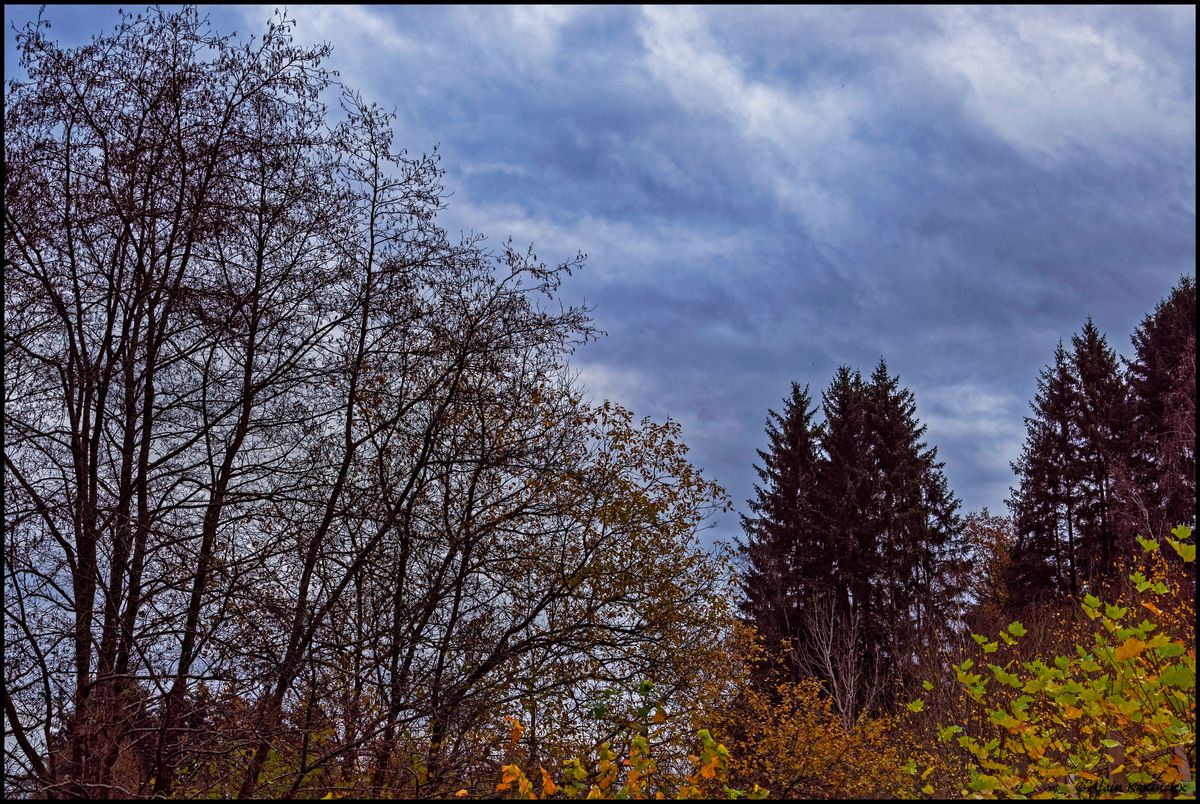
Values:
[(460, 793), (927, 790), (1129, 648)]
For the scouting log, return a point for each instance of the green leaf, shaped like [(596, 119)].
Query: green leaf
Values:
[(1004, 677), (1186, 551), (927, 685), (991, 647), (1178, 676), (1016, 629), (915, 706), (1169, 650), (984, 783), (1148, 545), (945, 734)]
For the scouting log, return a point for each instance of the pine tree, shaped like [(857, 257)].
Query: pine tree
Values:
[(1104, 431), (1084, 485), (914, 518), (843, 496), (853, 547), (1162, 376), (1045, 562), (780, 541)]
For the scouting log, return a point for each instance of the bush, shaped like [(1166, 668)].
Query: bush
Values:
[(1117, 716)]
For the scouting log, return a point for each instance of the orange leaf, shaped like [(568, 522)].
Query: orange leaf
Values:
[(1129, 648), (549, 788)]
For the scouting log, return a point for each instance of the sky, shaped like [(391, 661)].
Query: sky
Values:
[(766, 193)]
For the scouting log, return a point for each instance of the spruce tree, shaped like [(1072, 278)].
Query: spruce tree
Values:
[(1162, 376), (913, 516), (1043, 504), (1106, 455), (1104, 431), (843, 496), (780, 541), (854, 523)]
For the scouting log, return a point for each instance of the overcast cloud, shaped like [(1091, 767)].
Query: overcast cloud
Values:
[(766, 193)]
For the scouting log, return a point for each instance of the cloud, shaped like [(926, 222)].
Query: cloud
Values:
[(790, 130), (768, 192), (1054, 82)]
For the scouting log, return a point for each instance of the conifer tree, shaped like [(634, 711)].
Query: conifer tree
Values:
[(1044, 561), (871, 546), (843, 494), (1162, 377), (780, 540), (1092, 471), (1104, 430), (913, 516)]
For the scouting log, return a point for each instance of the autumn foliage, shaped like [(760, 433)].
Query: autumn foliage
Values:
[(303, 499), (1116, 714)]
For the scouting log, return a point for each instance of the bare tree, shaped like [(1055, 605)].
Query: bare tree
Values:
[(296, 487), (833, 652)]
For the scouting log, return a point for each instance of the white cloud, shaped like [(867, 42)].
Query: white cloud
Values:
[(1049, 81), (522, 38), (615, 248), (989, 422), (368, 45), (538, 27), (626, 386), (794, 131)]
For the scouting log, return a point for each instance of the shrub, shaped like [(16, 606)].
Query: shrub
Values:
[(1117, 716)]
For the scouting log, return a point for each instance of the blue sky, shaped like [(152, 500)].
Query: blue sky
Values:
[(765, 193)]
